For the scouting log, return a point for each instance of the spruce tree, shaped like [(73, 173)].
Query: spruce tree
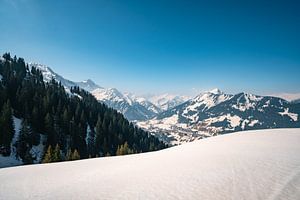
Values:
[(75, 155), (49, 155), (56, 154), (24, 143), (124, 150), (7, 129), (28, 158), (68, 155), (99, 135)]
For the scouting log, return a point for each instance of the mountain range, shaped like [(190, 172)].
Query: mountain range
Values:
[(214, 112), (178, 119), (134, 108)]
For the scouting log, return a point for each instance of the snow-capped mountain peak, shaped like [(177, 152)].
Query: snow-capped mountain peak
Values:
[(102, 94), (209, 99), (49, 74), (167, 101), (216, 91), (88, 85), (134, 108)]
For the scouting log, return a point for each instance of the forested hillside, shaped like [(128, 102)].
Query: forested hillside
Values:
[(74, 125)]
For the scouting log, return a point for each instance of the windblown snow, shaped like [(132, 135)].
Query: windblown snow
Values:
[(261, 164)]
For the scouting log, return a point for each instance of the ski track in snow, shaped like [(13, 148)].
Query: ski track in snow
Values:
[(260, 164)]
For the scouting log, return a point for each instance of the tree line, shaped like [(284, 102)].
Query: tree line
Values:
[(71, 121)]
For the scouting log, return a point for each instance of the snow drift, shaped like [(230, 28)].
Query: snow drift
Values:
[(262, 164)]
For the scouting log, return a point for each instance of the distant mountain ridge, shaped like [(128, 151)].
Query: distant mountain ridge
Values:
[(134, 108), (178, 119), (215, 112), (167, 101)]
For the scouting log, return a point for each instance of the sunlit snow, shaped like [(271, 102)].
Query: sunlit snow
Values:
[(245, 165)]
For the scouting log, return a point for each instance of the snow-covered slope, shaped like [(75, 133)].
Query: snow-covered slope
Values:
[(215, 112), (88, 85), (49, 74), (247, 165)]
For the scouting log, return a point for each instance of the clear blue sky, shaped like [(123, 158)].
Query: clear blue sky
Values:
[(160, 46)]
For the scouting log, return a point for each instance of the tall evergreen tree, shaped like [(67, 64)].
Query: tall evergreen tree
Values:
[(57, 154), (7, 129), (75, 155), (24, 143), (49, 155)]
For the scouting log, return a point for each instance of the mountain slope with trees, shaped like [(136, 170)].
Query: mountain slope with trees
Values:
[(74, 124)]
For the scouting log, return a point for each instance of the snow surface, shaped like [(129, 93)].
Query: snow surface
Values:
[(261, 164)]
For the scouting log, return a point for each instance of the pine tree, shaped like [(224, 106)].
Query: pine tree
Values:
[(66, 120), (48, 156), (99, 135), (75, 155), (69, 155), (24, 143), (7, 129), (124, 150), (90, 140), (56, 154), (49, 128), (28, 158)]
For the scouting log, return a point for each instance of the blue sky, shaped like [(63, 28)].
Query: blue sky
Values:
[(160, 46)]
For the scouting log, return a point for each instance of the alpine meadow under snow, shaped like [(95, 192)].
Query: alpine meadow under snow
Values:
[(260, 164)]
